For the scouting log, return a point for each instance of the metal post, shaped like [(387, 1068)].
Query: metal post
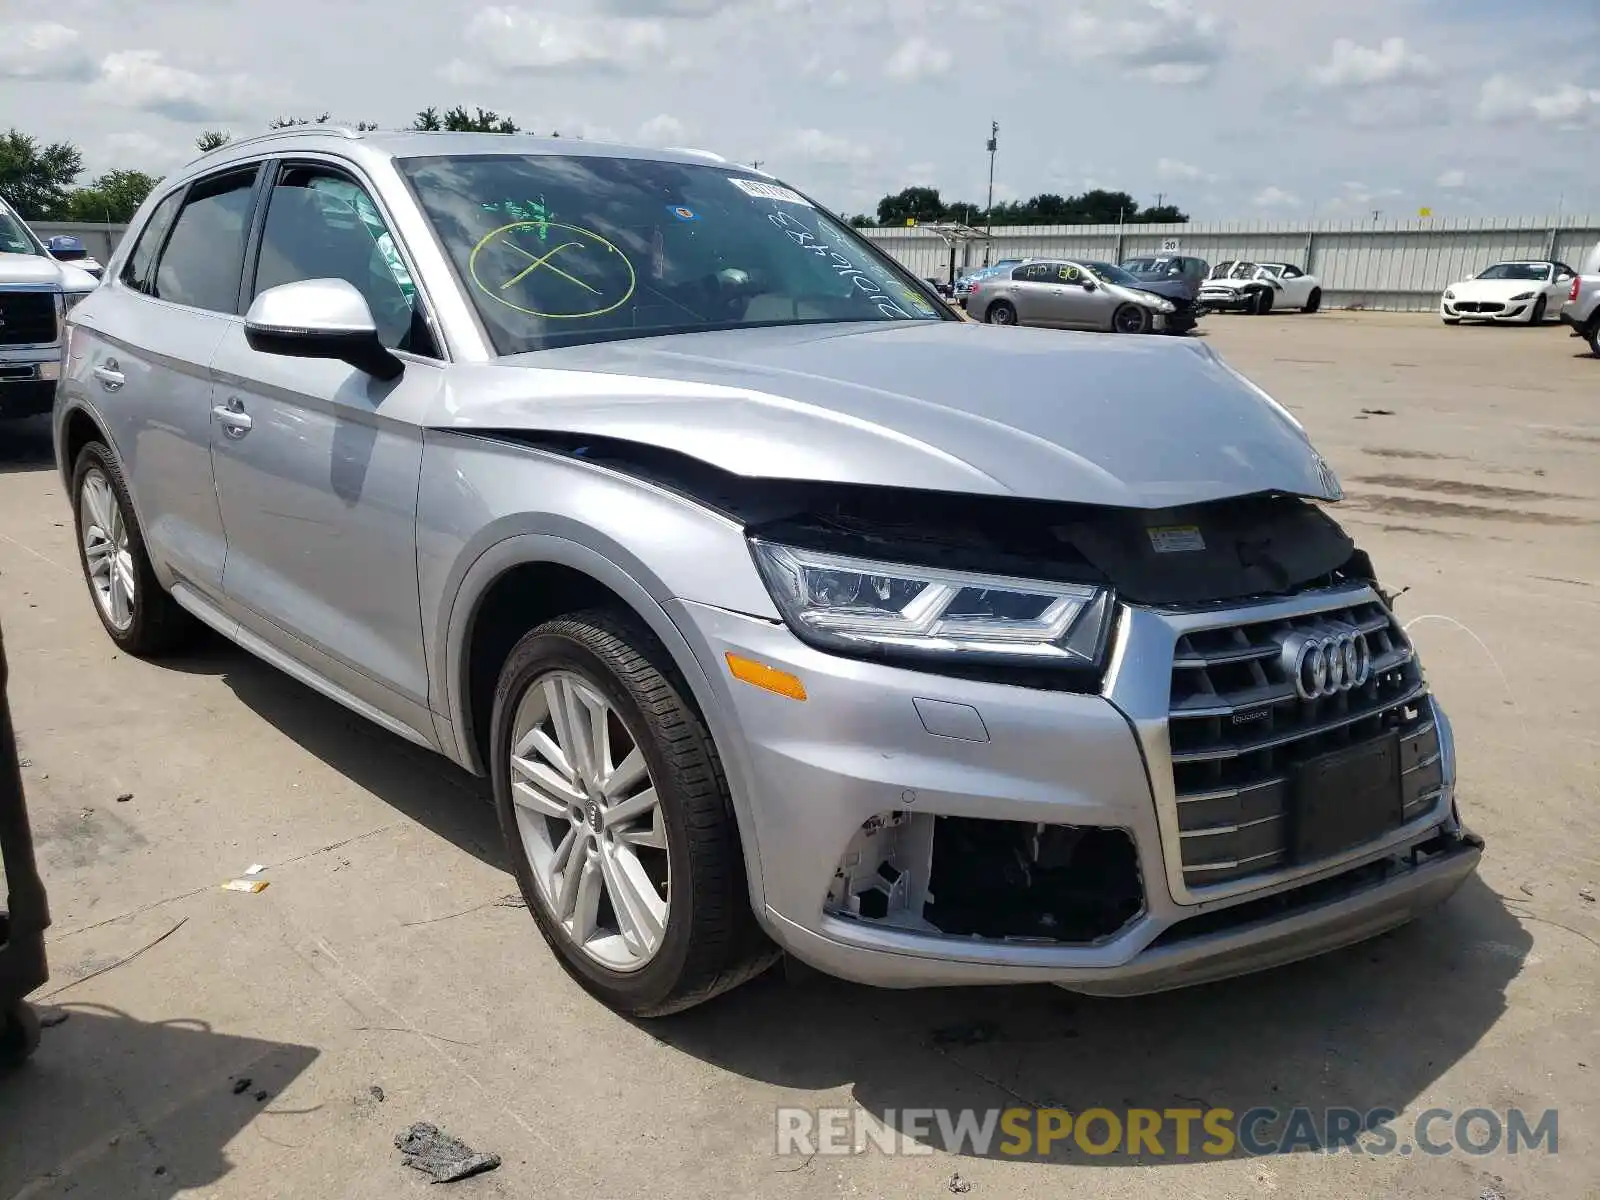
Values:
[(994, 144)]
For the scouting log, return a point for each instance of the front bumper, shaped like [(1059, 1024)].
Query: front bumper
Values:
[(28, 381), (1229, 301), (1511, 312), (816, 771)]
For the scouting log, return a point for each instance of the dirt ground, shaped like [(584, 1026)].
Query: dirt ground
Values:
[(387, 955)]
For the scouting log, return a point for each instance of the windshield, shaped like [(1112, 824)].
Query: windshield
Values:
[(560, 250), (1534, 272), (15, 237), (1243, 270), (1107, 273)]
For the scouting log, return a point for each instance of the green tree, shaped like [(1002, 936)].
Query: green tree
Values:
[(861, 221), (212, 139), (459, 120), (37, 179), (290, 122), (112, 198), (914, 203), (1164, 214)]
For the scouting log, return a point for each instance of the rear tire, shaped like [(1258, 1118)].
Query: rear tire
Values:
[(1001, 312), (142, 619), (1314, 301), (19, 1035), (689, 932), (1593, 336)]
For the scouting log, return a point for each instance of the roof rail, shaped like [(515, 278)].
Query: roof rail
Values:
[(343, 131), (711, 154)]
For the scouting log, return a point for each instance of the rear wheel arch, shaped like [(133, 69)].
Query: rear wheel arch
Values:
[(78, 429), (530, 578)]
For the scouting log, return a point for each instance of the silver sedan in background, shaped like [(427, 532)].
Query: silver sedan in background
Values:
[(1069, 295)]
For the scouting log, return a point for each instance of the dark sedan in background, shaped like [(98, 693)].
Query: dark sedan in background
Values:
[(1177, 277)]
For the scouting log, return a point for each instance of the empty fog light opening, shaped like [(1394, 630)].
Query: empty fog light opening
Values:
[(965, 877)]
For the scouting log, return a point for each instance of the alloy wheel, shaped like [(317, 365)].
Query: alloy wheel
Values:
[(106, 552), (590, 821), (1129, 319)]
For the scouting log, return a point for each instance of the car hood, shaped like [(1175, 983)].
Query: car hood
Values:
[(947, 406), (1231, 284), (1494, 289), (1171, 289), (35, 270)]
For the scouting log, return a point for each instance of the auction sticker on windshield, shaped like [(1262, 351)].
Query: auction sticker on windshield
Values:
[(769, 191)]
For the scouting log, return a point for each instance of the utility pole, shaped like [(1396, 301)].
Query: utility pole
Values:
[(994, 144), (756, 166), (1376, 213), (1160, 196)]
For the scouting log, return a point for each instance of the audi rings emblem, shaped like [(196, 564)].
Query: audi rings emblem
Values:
[(1328, 661)]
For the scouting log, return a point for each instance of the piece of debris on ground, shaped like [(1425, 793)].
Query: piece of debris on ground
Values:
[(434, 1152), (1586, 894), (241, 1086), (959, 1185), (125, 797), (1378, 412), (376, 1092)]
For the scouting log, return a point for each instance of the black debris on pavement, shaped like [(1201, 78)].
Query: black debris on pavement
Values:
[(959, 1185), (1378, 412), (261, 1096), (434, 1152), (377, 1093), (125, 797), (241, 1086)]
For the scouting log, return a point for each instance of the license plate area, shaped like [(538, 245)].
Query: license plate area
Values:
[(1345, 798)]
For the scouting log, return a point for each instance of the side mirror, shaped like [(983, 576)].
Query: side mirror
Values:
[(320, 318), (1088, 285), (66, 248)]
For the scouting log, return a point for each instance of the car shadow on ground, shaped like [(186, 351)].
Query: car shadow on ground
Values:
[(108, 1100), (25, 445), (1371, 1027), (422, 785)]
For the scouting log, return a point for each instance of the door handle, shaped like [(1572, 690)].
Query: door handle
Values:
[(234, 420), (110, 377)]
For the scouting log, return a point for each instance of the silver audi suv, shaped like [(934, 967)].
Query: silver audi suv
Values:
[(784, 610)]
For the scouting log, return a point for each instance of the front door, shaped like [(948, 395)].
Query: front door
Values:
[(317, 463)]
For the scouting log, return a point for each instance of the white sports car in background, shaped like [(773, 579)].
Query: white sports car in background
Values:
[(1526, 293), (1260, 288)]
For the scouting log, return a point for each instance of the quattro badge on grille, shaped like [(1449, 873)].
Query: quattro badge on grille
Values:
[(1330, 660)]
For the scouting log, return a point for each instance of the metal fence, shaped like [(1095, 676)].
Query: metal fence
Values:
[(1399, 266), (1395, 266)]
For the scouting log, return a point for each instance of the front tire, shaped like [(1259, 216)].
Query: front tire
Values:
[(1536, 317), (1263, 303), (1451, 320), (1130, 318), (617, 818), (142, 619), (1001, 312), (1314, 301)]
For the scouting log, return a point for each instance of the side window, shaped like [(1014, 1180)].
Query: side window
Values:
[(203, 258), (1292, 272), (321, 224), (137, 272)]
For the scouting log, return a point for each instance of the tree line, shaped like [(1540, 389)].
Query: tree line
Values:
[(40, 179), (924, 205)]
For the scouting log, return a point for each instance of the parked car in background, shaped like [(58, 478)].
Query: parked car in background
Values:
[(1581, 310), (64, 247), (965, 282), (1068, 295), (1523, 293), (36, 292), (782, 607), (1259, 288), (1175, 277)]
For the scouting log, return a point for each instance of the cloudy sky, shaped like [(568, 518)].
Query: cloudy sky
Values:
[(1231, 108)]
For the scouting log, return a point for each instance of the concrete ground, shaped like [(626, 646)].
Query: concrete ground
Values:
[(387, 955)]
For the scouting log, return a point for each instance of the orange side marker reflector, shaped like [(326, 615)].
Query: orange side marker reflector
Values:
[(762, 676)]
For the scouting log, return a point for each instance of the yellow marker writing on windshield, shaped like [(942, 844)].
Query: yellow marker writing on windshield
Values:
[(543, 260)]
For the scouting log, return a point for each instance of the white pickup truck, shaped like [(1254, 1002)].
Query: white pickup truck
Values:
[(36, 292), (1581, 312)]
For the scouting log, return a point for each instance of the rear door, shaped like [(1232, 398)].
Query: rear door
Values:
[(141, 357), (317, 463)]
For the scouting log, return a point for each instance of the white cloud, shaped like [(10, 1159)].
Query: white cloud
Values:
[(663, 130), (137, 151), (1166, 42), (1351, 65), (514, 39), (44, 51), (1451, 180), (1568, 106), (916, 59), (1175, 170), (663, 8), (826, 149), (143, 79), (1275, 197)]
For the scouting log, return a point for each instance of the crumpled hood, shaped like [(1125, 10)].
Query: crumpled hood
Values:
[(1232, 285), (35, 270), (948, 406), (1171, 289)]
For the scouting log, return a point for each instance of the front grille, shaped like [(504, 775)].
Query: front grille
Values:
[(1474, 306), (27, 318), (1238, 726)]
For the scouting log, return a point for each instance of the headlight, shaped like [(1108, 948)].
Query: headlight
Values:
[(1449, 294), (1522, 296), (1165, 306), (855, 605)]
